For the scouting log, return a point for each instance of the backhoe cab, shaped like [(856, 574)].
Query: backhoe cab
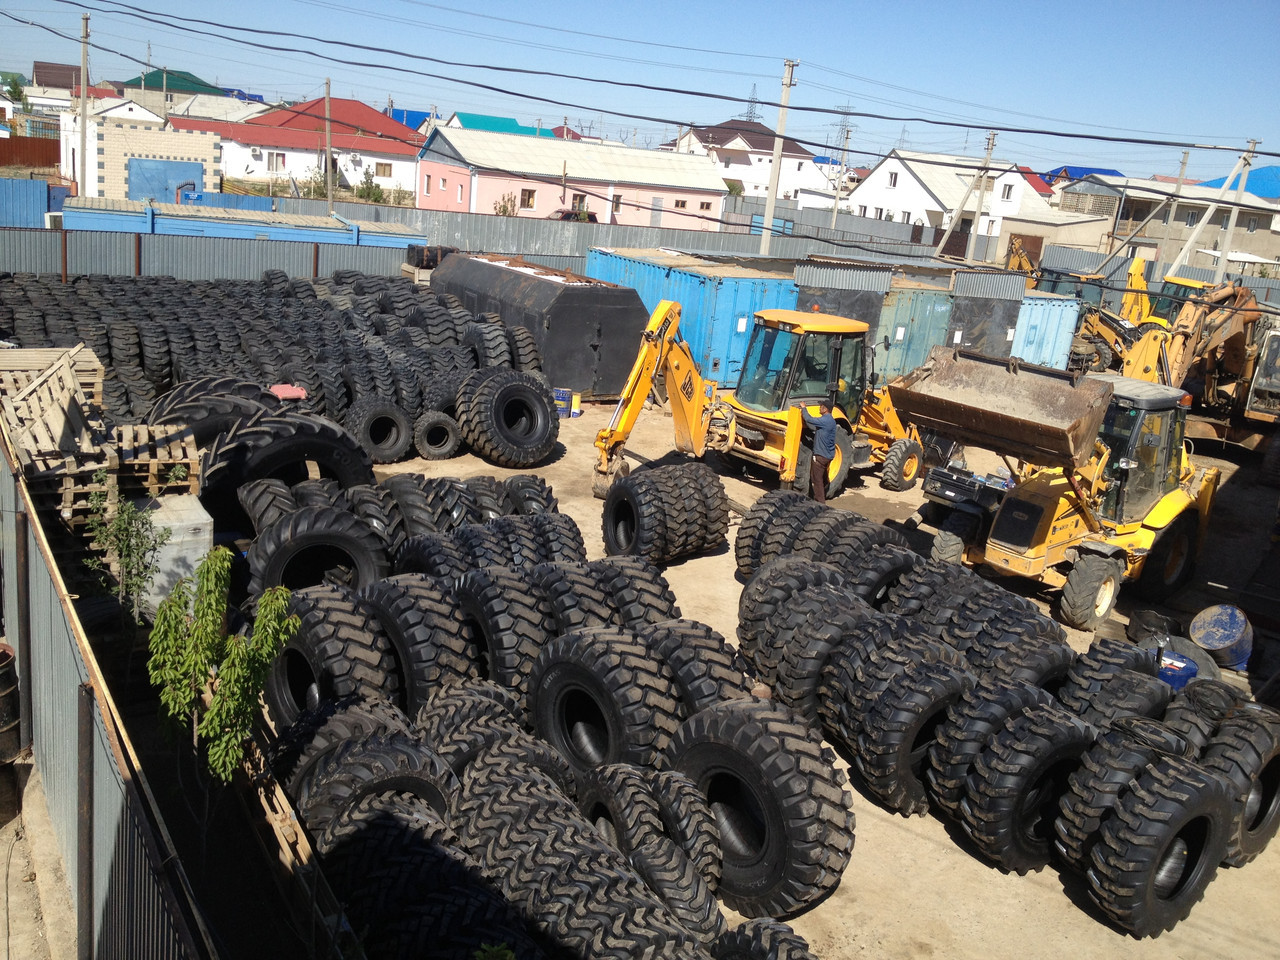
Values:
[(792, 357)]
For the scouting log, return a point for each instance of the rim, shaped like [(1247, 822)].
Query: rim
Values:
[(1180, 861), (1105, 598), (910, 467), (1177, 559)]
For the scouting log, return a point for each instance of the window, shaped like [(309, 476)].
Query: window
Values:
[(275, 162), (1253, 225), (1225, 217), (527, 198), (382, 169), (682, 204), (426, 185), (1192, 217), (862, 210), (443, 183), (726, 163), (578, 201), (617, 204), (879, 213), (800, 165), (459, 193), (893, 180), (906, 216), (1164, 216), (706, 205), (1006, 192)]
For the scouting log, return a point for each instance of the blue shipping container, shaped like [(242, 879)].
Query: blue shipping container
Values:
[(717, 301), (1044, 330), (23, 203)]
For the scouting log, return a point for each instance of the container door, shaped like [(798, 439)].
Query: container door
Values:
[(1043, 331), (915, 321)]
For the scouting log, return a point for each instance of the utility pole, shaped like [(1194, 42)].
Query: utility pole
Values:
[(775, 168), (982, 193), (84, 105), (1189, 244), (328, 149), (1173, 205), (164, 91), (844, 159), (958, 213), (1220, 272)]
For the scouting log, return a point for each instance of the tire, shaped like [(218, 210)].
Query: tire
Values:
[(529, 495), (917, 586), (755, 524), (315, 733), (436, 436), (634, 519), (838, 470), (489, 341), (705, 670), (503, 740), (902, 465), (382, 428), (1246, 751), (315, 545), (957, 528), (336, 652), (762, 940), (882, 567), (576, 598), (374, 504), (689, 821), (1161, 848), (212, 387), (1198, 709), (266, 501), (488, 498), (525, 354), (509, 418), (791, 625), (786, 527), (560, 538), (483, 545), (432, 554), (849, 548), (804, 471), (1012, 792), (206, 416), (636, 588), (616, 798), (1171, 561), (598, 698), (1126, 693), (814, 541), (511, 619), (785, 822), (1091, 591)]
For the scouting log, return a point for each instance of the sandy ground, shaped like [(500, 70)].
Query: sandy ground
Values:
[(912, 888)]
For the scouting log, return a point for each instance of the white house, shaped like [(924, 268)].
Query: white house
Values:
[(107, 109), (742, 151)]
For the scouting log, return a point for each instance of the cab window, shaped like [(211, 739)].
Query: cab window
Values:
[(849, 385), (813, 372)]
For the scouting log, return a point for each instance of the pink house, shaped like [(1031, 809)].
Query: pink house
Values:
[(476, 171)]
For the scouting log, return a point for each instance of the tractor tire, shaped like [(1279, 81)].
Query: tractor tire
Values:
[(315, 545), (560, 538), (705, 669), (436, 436), (785, 821), (902, 465), (266, 501), (576, 597), (787, 526), (1171, 561), (1161, 847), (755, 524), (634, 519), (689, 821), (1198, 709), (509, 418), (637, 589), (1246, 751), (1091, 591), (383, 429), (316, 733), (525, 354), (529, 495), (432, 554), (882, 567), (511, 620), (958, 527), (762, 940)]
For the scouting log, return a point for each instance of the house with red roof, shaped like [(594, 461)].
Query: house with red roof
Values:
[(288, 142)]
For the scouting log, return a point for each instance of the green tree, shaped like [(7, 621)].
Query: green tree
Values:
[(506, 207), (130, 545), (13, 89), (368, 190)]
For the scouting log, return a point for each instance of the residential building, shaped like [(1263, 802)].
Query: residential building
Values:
[(481, 121), (742, 151), (1066, 174), (160, 90), (210, 107), (134, 155), (287, 143), (477, 171), (56, 75)]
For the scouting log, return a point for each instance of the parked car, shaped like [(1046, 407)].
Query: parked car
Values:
[(586, 216)]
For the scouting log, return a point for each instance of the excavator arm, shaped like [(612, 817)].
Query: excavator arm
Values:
[(662, 353)]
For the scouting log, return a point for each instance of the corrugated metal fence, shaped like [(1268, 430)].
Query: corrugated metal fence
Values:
[(23, 202), (139, 904)]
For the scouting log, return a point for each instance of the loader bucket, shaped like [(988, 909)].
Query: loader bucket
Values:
[(1037, 414)]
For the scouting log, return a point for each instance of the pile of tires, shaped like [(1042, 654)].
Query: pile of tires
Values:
[(378, 354), (950, 693), (665, 513)]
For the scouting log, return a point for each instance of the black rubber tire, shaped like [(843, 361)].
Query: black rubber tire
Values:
[(881, 663), (785, 821), (511, 619), (208, 417), (804, 661), (524, 545), (525, 354), (616, 798), (762, 940), (315, 733), (821, 531), (374, 504), (755, 524), (483, 545), (337, 651), (313, 545), (434, 644), (676, 882), (634, 519), (689, 821), (787, 525), (489, 341), (1172, 559), (266, 501), (636, 588), (560, 538), (704, 668), (576, 597), (918, 585), (412, 503), (599, 698), (436, 435), (382, 763), (432, 554), (529, 495), (216, 386), (883, 565), (850, 546), (1126, 693), (903, 464), (770, 591), (454, 706), (501, 739), (324, 492), (383, 428), (1198, 709), (1161, 848), (1012, 791), (508, 418), (956, 529), (978, 715), (1090, 593), (791, 625), (1246, 751), (893, 744)]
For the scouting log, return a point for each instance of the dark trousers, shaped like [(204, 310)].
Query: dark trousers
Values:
[(818, 477)]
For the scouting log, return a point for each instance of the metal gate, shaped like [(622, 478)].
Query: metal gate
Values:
[(914, 321)]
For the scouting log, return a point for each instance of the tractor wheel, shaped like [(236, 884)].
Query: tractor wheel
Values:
[(1091, 591), (1103, 355), (1171, 561), (948, 543), (838, 469), (902, 464)]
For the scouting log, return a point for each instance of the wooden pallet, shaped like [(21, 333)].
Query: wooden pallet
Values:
[(155, 460), (48, 418), (19, 367)]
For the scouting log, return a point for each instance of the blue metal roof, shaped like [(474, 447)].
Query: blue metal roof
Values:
[(413, 119), (1263, 182), (480, 121), (1078, 173)]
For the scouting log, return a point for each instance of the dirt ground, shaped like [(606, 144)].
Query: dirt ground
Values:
[(913, 889)]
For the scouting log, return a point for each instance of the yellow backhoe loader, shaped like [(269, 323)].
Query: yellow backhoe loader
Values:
[(792, 358)]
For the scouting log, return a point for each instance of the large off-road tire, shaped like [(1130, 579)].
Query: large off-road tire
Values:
[(436, 435), (598, 697), (529, 495), (822, 529), (705, 669), (755, 524), (882, 567), (762, 940), (266, 501), (634, 520), (383, 428), (374, 504), (316, 545), (337, 651), (1091, 591), (1171, 561), (316, 733), (560, 538), (511, 619), (1012, 792), (676, 881), (636, 588), (788, 607), (1161, 848), (958, 527), (432, 554), (577, 598), (689, 821), (902, 465), (786, 826), (1246, 751), (508, 418)]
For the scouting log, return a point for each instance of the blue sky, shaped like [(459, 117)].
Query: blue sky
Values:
[(1121, 69)]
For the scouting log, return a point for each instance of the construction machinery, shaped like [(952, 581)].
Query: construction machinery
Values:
[(1098, 488), (793, 359)]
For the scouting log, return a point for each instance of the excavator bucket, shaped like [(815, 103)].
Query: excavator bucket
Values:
[(1037, 414)]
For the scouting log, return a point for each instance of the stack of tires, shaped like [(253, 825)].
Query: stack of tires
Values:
[(377, 354), (665, 513), (949, 692)]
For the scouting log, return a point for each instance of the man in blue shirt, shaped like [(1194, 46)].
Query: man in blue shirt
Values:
[(824, 447)]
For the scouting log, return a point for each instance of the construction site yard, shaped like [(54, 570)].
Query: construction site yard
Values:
[(914, 887)]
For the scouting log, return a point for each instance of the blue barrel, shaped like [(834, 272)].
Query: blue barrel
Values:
[(1177, 670), (1226, 633)]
